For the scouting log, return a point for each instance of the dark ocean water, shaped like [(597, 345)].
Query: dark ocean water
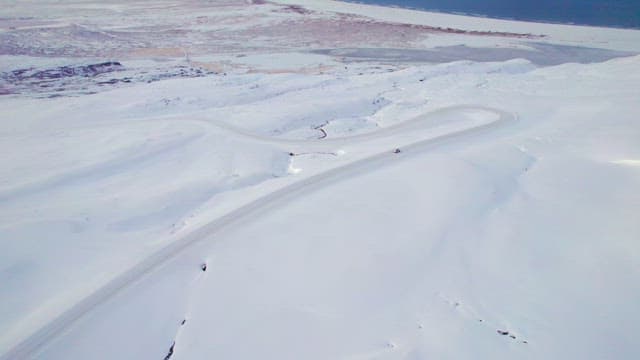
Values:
[(609, 13)]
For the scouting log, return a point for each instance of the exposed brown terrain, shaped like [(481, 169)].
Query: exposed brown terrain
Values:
[(179, 28)]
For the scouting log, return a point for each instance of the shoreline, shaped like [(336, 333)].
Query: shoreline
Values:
[(492, 17), (566, 34)]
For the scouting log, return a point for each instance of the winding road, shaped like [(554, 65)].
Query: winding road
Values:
[(40, 338)]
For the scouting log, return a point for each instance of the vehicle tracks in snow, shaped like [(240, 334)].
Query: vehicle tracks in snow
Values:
[(29, 346)]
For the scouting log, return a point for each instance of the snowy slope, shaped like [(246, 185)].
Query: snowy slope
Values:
[(528, 229), (504, 226)]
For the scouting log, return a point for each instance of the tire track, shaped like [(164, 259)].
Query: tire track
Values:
[(28, 347)]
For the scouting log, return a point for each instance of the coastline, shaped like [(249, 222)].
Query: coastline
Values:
[(565, 34), (496, 17)]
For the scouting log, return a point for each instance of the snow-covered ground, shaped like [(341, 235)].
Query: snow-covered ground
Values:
[(314, 179)]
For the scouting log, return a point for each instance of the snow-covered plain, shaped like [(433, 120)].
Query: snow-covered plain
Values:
[(301, 179)]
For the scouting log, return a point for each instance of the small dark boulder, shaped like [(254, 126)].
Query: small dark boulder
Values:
[(170, 353)]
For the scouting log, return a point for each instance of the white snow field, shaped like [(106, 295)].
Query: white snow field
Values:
[(251, 180)]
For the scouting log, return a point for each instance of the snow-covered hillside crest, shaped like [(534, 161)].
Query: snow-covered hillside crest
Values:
[(437, 194)]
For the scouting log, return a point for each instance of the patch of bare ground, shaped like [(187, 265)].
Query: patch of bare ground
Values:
[(295, 9), (344, 30), (336, 32)]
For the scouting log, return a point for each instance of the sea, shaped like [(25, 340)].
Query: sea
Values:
[(606, 13)]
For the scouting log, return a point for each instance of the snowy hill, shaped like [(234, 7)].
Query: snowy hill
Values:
[(315, 180)]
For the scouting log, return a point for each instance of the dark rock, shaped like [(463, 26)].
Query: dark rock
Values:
[(170, 353)]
